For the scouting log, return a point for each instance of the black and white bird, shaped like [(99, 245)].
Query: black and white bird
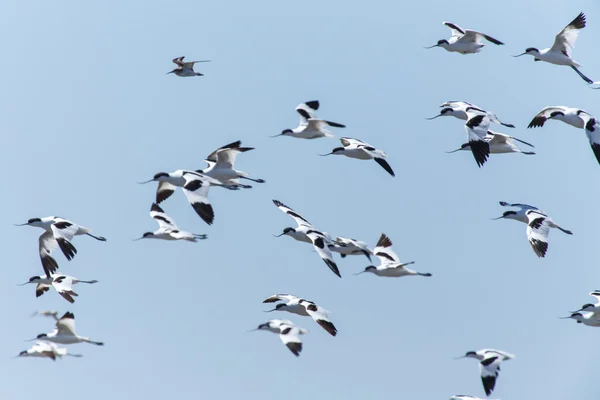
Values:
[(461, 109), (63, 284), (65, 333), (310, 127), (58, 234), (538, 225), (390, 266), (288, 332), (300, 306), (464, 41), (185, 68), (593, 308), (560, 52), (477, 128), (167, 229), (575, 117), (306, 232), (47, 350), (195, 187), (221, 164), (349, 247), (354, 148), (592, 131), (489, 365), (499, 144), (589, 319)]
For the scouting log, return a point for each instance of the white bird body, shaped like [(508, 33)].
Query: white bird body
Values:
[(354, 148), (464, 41), (489, 365), (221, 164), (288, 332), (168, 230), (47, 350), (63, 284), (466, 397), (65, 333), (462, 109), (347, 247), (390, 266), (310, 127), (560, 52), (300, 306)]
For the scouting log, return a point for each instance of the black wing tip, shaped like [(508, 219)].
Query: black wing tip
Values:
[(67, 248), (539, 247), (536, 122), (278, 203), (579, 21), (155, 207), (163, 195), (335, 124), (507, 125), (328, 326), (314, 104), (295, 347), (333, 267), (384, 241), (204, 211), (68, 314), (384, 164), (480, 150), (596, 150)]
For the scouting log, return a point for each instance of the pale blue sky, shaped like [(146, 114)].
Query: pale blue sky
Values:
[(88, 111)]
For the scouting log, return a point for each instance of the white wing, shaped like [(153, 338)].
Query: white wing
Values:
[(64, 286), (346, 142), (279, 297), (164, 221), (477, 127), (164, 191), (300, 220), (46, 245), (63, 232), (383, 251), (307, 111), (290, 336), (537, 232), (476, 37), (320, 241), (320, 316), (196, 190), (565, 40), (212, 157), (490, 368), (454, 29), (457, 104), (66, 324)]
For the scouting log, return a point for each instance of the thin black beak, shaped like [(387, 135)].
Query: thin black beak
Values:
[(453, 151), (361, 272), (279, 235), (431, 47), (281, 134), (23, 284), (500, 217), (458, 358), (323, 155), (135, 240), (519, 55), (21, 224), (270, 310), (429, 119), (148, 181)]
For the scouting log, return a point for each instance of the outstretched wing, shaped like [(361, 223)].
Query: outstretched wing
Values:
[(164, 221), (290, 336), (454, 29), (300, 220), (307, 111), (476, 37), (383, 250), (565, 40), (537, 232), (196, 191), (279, 297), (319, 241), (320, 316)]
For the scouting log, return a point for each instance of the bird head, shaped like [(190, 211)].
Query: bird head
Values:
[(287, 231), (31, 222), (284, 132), (370, 268), (440, 43), (532, 51)]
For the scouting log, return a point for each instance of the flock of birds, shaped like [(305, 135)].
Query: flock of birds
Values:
[(59, 233)]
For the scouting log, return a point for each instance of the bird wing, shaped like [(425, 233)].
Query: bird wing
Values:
[(179, 60), (64, 286), (196, 190), (499, 138), (565, 40), (66, 324), (477, 127), (383, 251), (475, 37), (300, 220), (490, 368), (347, 142), (541, 117), (596, 294), (290, 336), (164, 191), (307, 111), (164, 221), (523, 206), (505, 355), (320, 316), (41, 288), (213, 156), (320, 244), (592, 131), (47, 244), (63, 232), (226, 157), (454, 29), (537, 232), (279, 297)]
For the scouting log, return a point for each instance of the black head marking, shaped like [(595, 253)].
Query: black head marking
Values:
[(147, 234), (34, 278), (470, 353), (280, 305), (335, 150), (161, 175), (531, 49), (41, 335), (370, 268), (288, 230), (286, 131), (507, 213), (32, 220), (556, 113), (446, 110), (440, 42)]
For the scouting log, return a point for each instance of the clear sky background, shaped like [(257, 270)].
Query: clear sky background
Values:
[(88, 111)]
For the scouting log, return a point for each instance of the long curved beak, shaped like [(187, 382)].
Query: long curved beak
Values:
[(361, 272), (429, 119), (23, 284), (148, 181), (21, 224), (500, 217), (270, 310), (458, 358), (323, 155), (573, 312), (453, 151), (135, 240), (431, 47), (519, 55), (170, 72), (252, 330), (279, 235), (31, 340), (564, 317), (280, 134)]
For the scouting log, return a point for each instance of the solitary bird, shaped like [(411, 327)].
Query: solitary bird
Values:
[(221, 164), (300, 306), (306, 232), (185, 69), (167, 229), (354, 148), (460, 110), (489, 365), (288, 332), (59, 233), (310, 127), (63, 284), (47, 350), (64, 333), (560, 52), (464, 41), (390, 266)]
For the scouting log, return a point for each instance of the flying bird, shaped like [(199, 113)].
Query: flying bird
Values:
[(590, 319), (195, 187), (575, 117), (461, 110), (167, 229), (299, 306), (477, 128), (64, 333), (464, 41), (288, 332), (310, 127), (489, 365), (306, 232), (347, 247), (221, 164), (185, 68), (560, 52), (499, 144), (593, 308), (354, 148), (63, 284), (390, 266), (47, 350), (58, 234)]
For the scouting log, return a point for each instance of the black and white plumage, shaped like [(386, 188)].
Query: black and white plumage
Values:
[(464, 41), (477, 127), (65, 333), (221, 164), (461, 110), (346, 247), (310, 126), (195, 187), (466, 397), (593, 308), (300, 306), (499, 144), (354, 148), (288, 332), (575, 117), (592, 131), (537, 232), (167, 229), (489, 365), (185, 68), (390, 265), (47, 350), (58, 234), (63, 284), (306, 232)]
